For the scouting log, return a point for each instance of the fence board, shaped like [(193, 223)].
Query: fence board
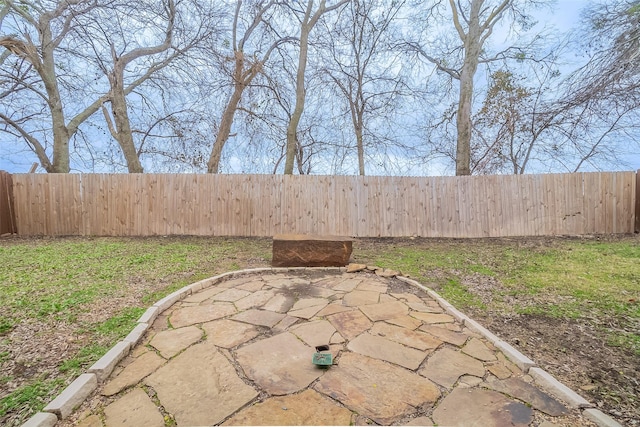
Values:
[(264, 205), (7, 210)]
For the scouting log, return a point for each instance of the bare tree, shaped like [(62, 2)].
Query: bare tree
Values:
[(245, 68), (474, 22), (118, 122), (362, 66), (611, 36), (309, 20), (38, 37), (93, 38), (601, 98)]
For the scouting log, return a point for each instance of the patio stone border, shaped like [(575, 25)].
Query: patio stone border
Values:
[(75, 394)]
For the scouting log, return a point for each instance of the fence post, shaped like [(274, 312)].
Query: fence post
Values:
[(7, 212), (637, 214)]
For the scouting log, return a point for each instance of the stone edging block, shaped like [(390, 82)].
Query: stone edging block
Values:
[(105, 365), (172, 298), (41, 419), (600, 418), (545, 379), (150, 315), (136, 334), (527, 365), (72, 396), (519, 359)]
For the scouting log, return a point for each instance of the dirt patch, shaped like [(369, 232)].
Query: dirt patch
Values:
[(576, 353)]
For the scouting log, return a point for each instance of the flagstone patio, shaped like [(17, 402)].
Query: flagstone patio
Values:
[(240, 353)]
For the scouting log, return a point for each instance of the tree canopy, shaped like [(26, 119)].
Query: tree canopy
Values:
[(414, 87)]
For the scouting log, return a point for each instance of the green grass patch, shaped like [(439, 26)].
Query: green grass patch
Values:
[(564, 279), (32, 397), (61, 280), (459, 295), (625, 340), (120, 325), (6, 324)]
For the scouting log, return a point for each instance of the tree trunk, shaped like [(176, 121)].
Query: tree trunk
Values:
[(463, 124), (124, 136), (225, 129), (358, 124), (292, 128), (472, 47), (61, 135)]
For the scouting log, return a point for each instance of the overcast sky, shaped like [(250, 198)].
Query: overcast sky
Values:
[(565, 16)]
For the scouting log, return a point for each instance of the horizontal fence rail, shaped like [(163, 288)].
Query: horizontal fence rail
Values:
[(264, 205)]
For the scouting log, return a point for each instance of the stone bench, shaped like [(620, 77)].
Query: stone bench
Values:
[(300, 250)]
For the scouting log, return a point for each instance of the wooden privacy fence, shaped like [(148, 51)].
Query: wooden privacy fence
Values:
[(7, 215), (264, 205)]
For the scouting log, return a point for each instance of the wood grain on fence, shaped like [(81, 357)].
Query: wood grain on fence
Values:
[(264, 205), (7, 214)]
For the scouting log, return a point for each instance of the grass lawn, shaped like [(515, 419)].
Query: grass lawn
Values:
[(66, 301)]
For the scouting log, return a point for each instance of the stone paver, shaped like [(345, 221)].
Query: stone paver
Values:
[(189, 384), (240, 352), (432, 317), (259, 317), (376, 389), (350, 324), (188, 316), (446, 335), (204, 295), (478, 350), (385, 310), (256, 299), (347, 285), (357, 298), (521, 390), (384, 349), (307, 408), (406, 322), (424, 308), (173, 341), (280, 364), (254, 285), (314, 333), (308, 302), (142, 366), (475, 407), (420, 421), (228, 333), (309, 311), (446, 366), (407, 297), (279, 303), (134, 409), (333, 309), (500, 371), (90, 421), (415, 339), (285, 323), (231, 295), (372, 286)]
